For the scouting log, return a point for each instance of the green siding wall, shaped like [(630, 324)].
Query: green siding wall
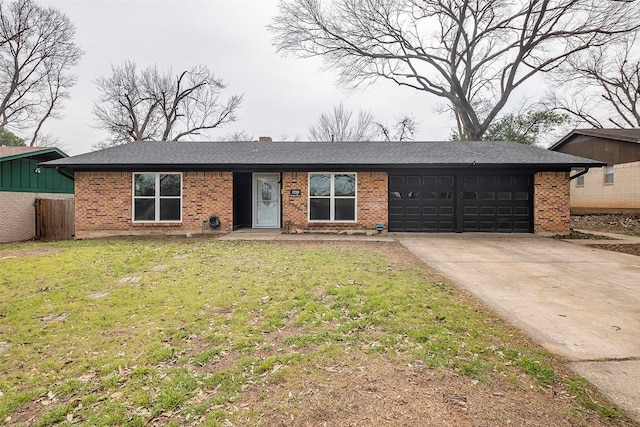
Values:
[(19, 175)]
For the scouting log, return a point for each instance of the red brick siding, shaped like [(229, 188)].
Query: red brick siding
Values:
[(104, 204), (371, 203), (551, 211)]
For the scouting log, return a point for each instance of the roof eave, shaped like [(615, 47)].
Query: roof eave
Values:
[(315, 166), (39, 153), (588, 132)]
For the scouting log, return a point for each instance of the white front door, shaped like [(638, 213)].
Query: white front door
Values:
[(266, 200)]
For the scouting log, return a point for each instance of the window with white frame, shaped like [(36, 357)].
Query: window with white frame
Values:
[(157, 197), (608, 175), (332, 197), (580, 181)]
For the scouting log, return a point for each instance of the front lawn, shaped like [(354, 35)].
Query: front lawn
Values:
[(205, 332)]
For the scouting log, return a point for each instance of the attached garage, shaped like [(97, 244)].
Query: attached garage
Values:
[(454, 201)]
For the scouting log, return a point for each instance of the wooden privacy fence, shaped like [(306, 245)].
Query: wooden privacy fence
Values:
[(55, 219)]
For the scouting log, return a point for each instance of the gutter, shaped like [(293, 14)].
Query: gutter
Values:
[(579, 174), (63, 173)]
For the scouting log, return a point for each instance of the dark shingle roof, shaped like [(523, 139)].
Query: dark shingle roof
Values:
[(301, 155), (625, 135)]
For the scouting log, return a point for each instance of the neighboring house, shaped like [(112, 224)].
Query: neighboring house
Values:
[(22, 181), (181, 187), (614, 188)]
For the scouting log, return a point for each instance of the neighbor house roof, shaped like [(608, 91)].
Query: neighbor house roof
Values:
[(39, 154), (317, 155), (625, 135)]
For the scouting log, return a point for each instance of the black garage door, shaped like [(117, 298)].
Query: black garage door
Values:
[(453, 201)]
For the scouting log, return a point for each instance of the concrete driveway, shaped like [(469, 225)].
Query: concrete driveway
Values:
[(578, 302)]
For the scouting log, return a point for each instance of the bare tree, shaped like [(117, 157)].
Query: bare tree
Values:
[(472, 53), (158, 105), (403, 129), (610, 74), (236, 136), (340, 125), (37, 52)]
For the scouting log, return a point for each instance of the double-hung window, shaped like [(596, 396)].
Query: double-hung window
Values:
[(608, 174), (332, 197), (157, 197)]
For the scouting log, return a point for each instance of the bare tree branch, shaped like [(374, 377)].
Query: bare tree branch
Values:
[(403, 129), (154, 105), (36, 53), (610, 74), (340, 125), (472, 53)]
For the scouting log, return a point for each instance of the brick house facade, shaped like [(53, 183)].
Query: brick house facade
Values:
[(597, 193), (611, 189), (104, 204), (188, 188)]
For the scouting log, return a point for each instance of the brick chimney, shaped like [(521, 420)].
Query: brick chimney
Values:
[(265, 139)]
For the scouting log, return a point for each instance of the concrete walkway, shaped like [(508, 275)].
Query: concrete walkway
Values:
[(277, 234), (579, 302)]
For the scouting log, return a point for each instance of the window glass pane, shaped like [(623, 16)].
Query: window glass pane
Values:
[(145, 184), (319, 209), (345, 185), (608, 174), (430, 195), (319, 184), (413, 195), (396, 195), (345, 209), (144, 210), (170, 185), (169, 209)]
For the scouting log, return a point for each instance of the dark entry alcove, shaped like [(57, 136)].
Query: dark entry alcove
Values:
[(242, 184)]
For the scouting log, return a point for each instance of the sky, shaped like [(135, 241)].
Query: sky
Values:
[(283, 96)]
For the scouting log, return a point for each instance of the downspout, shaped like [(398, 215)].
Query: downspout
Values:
[(586, 169), (63, 173)]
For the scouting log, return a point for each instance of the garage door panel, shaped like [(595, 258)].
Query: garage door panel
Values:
[(492, 211), (412, 210), (396, 211), (446, 181), (413, 181), (471, 210), (445, 211), (503, 211), (430, 210)]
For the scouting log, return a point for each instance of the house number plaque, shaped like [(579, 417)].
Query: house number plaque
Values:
[(295, 193)]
